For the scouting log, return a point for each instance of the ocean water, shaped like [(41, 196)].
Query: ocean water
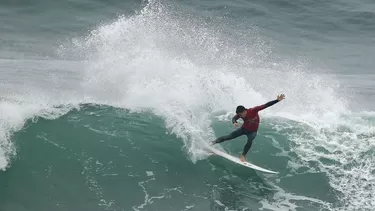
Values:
[(104, 105)]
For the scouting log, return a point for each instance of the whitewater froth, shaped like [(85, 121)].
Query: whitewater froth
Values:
[(172, 64), (183, 68), (15, 111)]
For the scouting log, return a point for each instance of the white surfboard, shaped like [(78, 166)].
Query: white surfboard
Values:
[(237, 160)]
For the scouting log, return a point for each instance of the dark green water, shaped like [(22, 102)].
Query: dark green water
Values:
[(104, 104), (101, 158)]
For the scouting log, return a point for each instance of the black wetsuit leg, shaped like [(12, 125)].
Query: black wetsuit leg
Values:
[(250, 137), (232, 135)]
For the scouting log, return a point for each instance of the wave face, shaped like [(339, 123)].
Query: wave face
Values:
[(191, 70), (183, 68)]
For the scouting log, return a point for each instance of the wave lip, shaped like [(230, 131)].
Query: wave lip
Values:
[(13, 115)]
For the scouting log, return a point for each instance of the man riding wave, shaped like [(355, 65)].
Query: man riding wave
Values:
[(250, 124)]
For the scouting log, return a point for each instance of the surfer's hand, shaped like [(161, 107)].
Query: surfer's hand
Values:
[(235, 124), (280, 97)]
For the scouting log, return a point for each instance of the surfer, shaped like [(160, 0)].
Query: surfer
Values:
[(250, 124)]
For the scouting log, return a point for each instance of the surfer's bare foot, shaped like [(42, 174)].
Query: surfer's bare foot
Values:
[(242, 158)]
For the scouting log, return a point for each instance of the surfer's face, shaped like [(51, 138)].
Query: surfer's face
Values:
[(243, 114)]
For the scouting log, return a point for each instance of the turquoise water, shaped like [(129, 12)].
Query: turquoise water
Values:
[(104, 105), (112, 159)]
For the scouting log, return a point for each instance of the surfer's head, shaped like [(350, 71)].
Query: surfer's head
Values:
[(241, 111)]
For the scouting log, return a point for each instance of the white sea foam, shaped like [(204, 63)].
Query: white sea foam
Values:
[(184, 68), (14, 114)]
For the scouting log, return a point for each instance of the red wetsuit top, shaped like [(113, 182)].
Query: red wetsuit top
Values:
[(251, 121)]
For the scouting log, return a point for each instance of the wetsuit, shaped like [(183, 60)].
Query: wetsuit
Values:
[(249, 127)]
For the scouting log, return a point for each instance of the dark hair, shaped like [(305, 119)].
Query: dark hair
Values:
[(240, 109)]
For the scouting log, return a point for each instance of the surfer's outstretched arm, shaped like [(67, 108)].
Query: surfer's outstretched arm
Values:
[(270, 103)]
